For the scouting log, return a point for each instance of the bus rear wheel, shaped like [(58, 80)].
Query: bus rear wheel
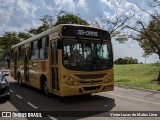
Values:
[(46, 89)]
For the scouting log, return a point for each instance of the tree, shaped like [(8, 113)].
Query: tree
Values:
[(120, 61), (62, 18), (47, 22), (114, 26), (23, 36), (7, 40), (148, 35), (69, 18), (126, 60)]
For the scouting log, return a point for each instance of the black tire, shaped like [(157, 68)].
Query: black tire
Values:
[(87, 95), (8, 97), (46, 89)]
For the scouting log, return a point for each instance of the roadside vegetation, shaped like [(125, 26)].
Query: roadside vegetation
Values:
[(137, 75)]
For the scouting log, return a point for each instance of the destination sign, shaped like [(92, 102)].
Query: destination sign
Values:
[(82, 31), (87, 33)]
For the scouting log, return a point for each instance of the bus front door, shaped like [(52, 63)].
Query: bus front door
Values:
[(54, 67)]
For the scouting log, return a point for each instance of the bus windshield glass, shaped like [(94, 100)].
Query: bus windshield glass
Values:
[(87, 55)]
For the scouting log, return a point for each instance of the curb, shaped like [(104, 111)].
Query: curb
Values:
[(136, 88)]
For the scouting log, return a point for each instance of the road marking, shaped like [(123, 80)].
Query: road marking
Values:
[(51, 117), (19, 96), (11, 90), (134, 99), (35, 107)]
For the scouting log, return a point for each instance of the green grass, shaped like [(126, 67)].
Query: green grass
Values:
[(137, 75)]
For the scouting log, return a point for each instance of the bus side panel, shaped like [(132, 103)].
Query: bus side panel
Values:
[(34, 73), (12, 69)]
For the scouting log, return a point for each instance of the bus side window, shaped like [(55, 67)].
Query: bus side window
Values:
[(54, 53), (44, 47), (34, 50), (21, 53)]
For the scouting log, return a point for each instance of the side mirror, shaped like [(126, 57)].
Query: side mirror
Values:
[(6, 74)]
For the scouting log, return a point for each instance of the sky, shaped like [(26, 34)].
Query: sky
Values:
[(19, 15)]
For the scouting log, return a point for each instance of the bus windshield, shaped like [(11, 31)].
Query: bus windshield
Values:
[(87, 55)]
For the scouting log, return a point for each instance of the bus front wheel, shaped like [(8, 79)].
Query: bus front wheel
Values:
[(45, 89)]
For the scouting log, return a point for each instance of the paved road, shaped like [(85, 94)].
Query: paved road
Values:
[(86, 107)]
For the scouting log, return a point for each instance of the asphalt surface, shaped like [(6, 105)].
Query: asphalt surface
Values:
[(92, 107)]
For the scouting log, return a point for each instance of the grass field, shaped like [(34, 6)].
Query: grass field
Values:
[(137, 75)]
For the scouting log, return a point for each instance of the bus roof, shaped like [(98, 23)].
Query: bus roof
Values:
[(51, 30), (35, 37)]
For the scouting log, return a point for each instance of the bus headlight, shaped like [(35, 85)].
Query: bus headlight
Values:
[(71, 81)]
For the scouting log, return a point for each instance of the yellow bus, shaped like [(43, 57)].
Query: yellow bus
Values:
[(65, 60)]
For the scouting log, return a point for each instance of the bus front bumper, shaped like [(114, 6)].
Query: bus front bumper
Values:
[(69, 90)]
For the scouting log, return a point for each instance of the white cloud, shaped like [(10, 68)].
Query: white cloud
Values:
[(81, 3), (68, 5), (28, 9), (6, 10), (6, 2), (125, 7), (17, 15), (23, 6)]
